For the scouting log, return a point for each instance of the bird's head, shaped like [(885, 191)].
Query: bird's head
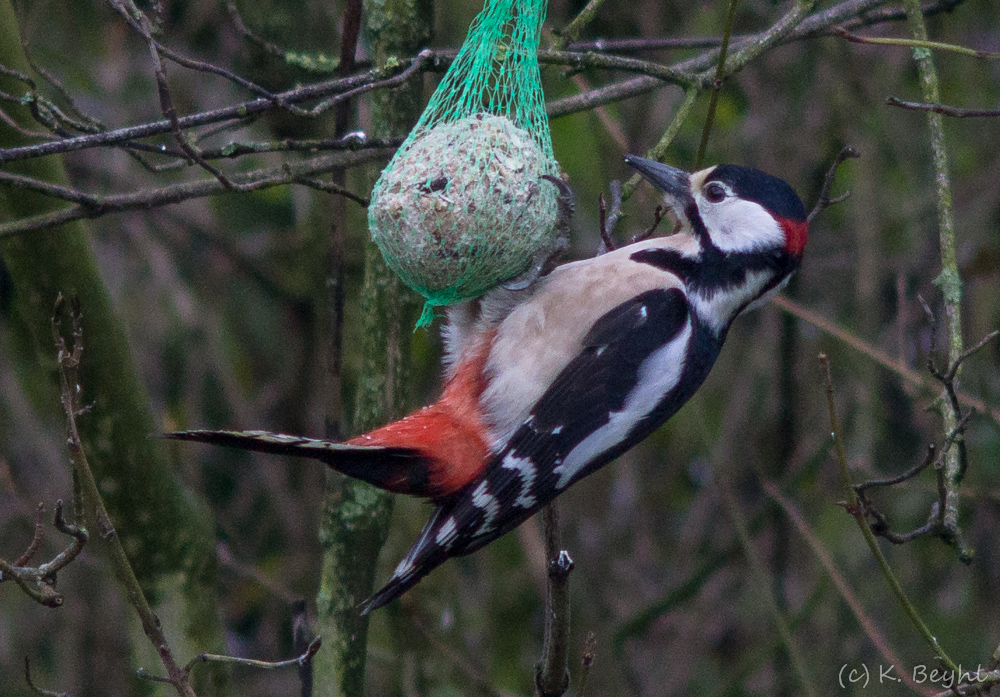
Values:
[(745, 231), (735, 209)]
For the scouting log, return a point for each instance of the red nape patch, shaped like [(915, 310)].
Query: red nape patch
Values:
[(796, 232)]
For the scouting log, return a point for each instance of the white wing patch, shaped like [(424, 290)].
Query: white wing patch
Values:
[(527, 470), (483, 499), (658, 374), (539, 338), (447, 534), (404, 569)]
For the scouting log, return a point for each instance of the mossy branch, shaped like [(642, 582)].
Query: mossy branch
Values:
[(950, 279), (356, 515)]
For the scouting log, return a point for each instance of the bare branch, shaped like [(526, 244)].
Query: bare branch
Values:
[(953, 370), (37, 538), (822, 553), (551, 673), (658, 215), (580, 61), (39, 582), (38, 690), (824, 200), (943, 109), (913, 43), (899, 479), (341, 88), (315, 62), (610, 218), (69, 363), (854, 507), (876, 354), (92, 207), (298, 661), (331, 188)]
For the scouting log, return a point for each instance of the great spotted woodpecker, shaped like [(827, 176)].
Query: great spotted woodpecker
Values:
[(546, 385)]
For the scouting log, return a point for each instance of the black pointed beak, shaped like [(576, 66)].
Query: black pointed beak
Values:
[(671, 181)]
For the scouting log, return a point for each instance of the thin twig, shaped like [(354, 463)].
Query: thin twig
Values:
[(69, 363), (943, 109), (876, 354), (298, 661), (720, 72), (571, 31), (949, 280), (91, 207), (658, 43), (20, 129), (331, 188), (580, 61), (857, 13), (138, 20), (341, 88), (953, 370), (145, 28), (914, 43), (39, 582), (315, 62), (899, 479), (868, 624), (764, 587), (609, 217), (854, 508), (303, 637), (658, 151), (658, 215), (824, 200), (38, 690), (36, 539)]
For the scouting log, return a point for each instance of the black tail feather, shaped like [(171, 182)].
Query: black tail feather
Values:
[(395, 469), (424, 556)]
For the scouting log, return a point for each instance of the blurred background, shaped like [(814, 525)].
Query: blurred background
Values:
[(223, 301)]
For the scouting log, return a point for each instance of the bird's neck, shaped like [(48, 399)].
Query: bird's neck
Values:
[(719, 303), (719, 285)]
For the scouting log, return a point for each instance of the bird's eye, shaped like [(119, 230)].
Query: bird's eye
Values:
[(715, 192)]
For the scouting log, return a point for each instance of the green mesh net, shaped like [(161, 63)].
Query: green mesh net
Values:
[(462, 207)]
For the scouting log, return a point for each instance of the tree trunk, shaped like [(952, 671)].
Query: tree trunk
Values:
[(169, 539), (355, 515)]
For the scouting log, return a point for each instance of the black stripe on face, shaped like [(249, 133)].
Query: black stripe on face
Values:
[(716, 271)]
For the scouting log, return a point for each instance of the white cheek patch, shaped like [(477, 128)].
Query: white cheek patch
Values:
[(736, 225), (658, 374), (527, 471)]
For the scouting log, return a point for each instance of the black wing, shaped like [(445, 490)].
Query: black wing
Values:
[(524, 476)]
